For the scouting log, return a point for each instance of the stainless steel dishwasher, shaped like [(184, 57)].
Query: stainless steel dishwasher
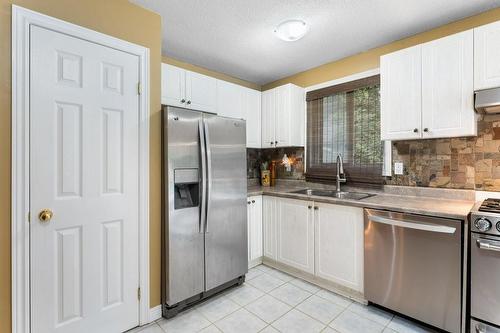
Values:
[(413, 265)]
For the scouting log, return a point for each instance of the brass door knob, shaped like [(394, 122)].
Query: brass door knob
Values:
[(45, 215)]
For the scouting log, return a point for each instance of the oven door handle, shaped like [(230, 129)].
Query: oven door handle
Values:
[(489, 245), (413, 225)]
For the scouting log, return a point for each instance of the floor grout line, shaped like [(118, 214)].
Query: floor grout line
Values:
[(268, 273)]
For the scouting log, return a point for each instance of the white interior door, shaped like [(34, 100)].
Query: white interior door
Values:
[(84, 167)]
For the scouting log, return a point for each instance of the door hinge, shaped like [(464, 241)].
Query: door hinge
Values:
[(139, 88), (139, 293)]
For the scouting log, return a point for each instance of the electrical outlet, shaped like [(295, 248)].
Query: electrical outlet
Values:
[(398, 168)]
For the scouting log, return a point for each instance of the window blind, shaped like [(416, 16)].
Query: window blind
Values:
[(345, 119)]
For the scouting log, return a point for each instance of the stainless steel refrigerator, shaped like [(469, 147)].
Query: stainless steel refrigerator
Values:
[(205, 221)]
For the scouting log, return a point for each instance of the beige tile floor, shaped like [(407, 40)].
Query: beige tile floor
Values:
[(272, 301)]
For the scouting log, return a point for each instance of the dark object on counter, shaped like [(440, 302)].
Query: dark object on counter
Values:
[(273, 173)]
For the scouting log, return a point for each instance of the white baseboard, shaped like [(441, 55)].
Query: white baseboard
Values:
[(155, 313)]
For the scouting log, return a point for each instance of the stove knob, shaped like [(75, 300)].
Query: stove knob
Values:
[(498, 226), (482, 224)]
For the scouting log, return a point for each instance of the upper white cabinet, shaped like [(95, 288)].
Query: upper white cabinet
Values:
[(252, 114), (486, 56), (187, 89), (255, 233), (447, 87), (295, 234), (427, 90), (283, 115), (339, 244), (401, 94), (173, 85), (230, 99)]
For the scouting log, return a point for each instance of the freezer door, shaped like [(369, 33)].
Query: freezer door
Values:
[(226, 223), (183, 238)]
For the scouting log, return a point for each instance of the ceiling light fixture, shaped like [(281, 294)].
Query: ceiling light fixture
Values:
[(291, 30)]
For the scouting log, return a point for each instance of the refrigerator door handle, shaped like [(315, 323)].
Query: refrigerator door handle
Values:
[(209, 171), (203, 157)]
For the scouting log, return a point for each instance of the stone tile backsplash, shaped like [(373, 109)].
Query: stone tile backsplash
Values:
[(256, 156), (456, 163), (463, 163)]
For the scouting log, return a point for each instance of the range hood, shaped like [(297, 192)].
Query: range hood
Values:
[(487, 101)]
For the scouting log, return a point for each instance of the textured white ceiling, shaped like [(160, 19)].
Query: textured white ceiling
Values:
[(236, 37)]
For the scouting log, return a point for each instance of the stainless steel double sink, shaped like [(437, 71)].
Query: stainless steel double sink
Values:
[(335, 194)]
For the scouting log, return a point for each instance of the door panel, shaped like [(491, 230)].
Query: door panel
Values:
[(486, 55), (269, 221), (401, 94), (268, 118), (447, 87), (339, 245), (282, 118), (226, 237), (183, 234), (252, 114), (84, 167), (255, 227), (200, 92), (295, 230), (173, 86), (230, 99)]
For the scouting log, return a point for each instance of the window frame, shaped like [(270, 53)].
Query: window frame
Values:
[(327, 175)]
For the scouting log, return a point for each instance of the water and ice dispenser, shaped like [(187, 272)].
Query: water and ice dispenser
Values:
[(186, 188)]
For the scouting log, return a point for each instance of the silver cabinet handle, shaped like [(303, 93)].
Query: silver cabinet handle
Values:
[(203, 206), (413, 225), (489, 245)]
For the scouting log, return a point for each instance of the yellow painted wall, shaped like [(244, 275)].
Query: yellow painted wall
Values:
[(118, 18), (208, 72), (370, 59)]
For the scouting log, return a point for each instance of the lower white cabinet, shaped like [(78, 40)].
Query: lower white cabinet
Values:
[(324, 240), (254, 213), (295, 234), (339, 244), (269, 222)]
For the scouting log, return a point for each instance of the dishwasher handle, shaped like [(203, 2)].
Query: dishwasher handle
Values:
[(490, 245), (413, 225)]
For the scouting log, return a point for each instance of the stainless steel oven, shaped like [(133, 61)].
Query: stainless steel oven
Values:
[(485, 267), (414, 266)]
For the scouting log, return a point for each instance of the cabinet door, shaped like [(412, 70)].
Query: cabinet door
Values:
[(296, 234), (269, 220), (173, 85), (486, 56), (447, 87), (200, 92), (401, 94), (298, 116), (268, 116), (255, 230), (339, 244), (229, 99), (283, 116), (252, 114)]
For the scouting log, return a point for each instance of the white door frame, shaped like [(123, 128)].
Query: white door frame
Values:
[(21, 20)]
